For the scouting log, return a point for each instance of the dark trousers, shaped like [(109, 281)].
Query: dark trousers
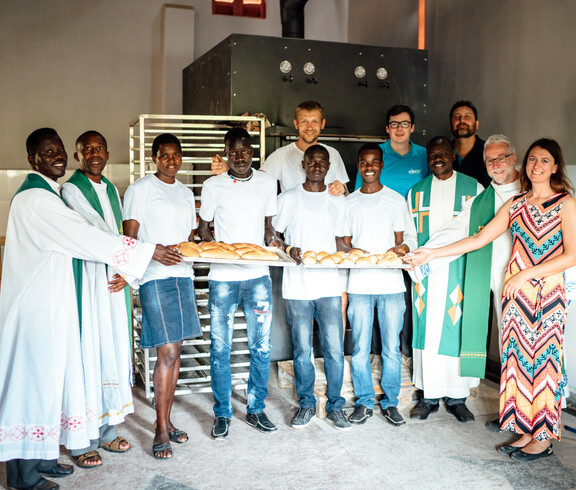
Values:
[(406, 333), (22, 473)]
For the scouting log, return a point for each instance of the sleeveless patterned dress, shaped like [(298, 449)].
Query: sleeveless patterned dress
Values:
[(533, 324)]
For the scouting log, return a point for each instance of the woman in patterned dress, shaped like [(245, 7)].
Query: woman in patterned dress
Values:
[(542, 221)]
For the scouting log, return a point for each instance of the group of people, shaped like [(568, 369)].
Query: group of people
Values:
[(70, 344)]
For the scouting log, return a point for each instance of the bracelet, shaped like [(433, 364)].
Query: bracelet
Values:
[(288, 248)]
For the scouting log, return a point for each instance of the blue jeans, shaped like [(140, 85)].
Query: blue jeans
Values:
[(328, 314), (255, 298), (390, 309)]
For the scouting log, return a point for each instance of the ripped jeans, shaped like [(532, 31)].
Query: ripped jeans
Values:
[(255, 298)]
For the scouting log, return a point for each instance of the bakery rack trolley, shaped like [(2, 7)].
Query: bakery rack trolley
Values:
[(201, 137)]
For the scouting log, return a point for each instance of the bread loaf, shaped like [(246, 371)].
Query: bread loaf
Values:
[(362, 260), (347, 261), (373, 259), (260, 255), (219, 253), (309, 257), (321, 255), (189, 249), (328, 259)]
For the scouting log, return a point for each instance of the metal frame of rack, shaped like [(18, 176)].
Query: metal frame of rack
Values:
[(201, 138)]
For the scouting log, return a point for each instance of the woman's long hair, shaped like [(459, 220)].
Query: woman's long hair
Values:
[(559, 181)]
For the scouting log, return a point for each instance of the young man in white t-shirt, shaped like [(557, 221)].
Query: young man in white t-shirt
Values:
[(285, 163), (376, 222), (241, 203), (312, 219)]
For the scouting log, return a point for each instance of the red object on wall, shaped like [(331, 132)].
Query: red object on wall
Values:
[(241, 8)]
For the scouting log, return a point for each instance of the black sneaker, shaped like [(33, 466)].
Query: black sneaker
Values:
[(261, 421), (303, 417), (220, 428), (360, 415), (338, 420), (392, 416)]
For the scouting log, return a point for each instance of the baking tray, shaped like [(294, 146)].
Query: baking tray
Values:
[(356, 266), (285, 260)]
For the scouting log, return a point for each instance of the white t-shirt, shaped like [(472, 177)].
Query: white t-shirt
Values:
[(285, 165), (167, 215), (238, 209), (372, 220), (311, 221)]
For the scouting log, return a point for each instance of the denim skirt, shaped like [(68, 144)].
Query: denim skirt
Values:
[(169, 312)]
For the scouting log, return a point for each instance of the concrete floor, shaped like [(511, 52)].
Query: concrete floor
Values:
[(438, 452)]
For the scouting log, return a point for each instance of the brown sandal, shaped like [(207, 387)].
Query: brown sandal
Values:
[(114, 446), (80, 460)]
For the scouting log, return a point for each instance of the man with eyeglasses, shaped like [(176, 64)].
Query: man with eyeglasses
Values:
[(404, 161), (468, 146), (437, 297)]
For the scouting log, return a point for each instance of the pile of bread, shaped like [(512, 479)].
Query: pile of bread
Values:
[(221, 250), (354, 257)]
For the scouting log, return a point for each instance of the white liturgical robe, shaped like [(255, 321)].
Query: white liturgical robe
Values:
[(42, 400)]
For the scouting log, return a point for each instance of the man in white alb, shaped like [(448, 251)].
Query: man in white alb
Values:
[(106, 319)]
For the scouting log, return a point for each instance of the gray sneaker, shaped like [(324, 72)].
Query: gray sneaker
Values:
[(338, 420), (303, 417)]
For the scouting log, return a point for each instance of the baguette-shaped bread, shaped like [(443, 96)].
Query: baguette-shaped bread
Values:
[(189, 249), (216, 245), (219, 253), (260, 255)]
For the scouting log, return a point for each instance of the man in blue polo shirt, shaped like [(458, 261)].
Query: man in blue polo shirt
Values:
[(404, 161)]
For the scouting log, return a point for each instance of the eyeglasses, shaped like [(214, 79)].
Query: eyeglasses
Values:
[(397, 124), (499, 159)]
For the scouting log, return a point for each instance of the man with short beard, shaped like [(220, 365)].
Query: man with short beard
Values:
[(468, 146)]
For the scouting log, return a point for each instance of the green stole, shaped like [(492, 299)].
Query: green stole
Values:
[(34, 181), (87, 189), (476, 305), (466, 187)]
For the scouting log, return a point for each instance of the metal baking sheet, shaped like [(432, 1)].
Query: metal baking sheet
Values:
[(285, 260), (357, 266)]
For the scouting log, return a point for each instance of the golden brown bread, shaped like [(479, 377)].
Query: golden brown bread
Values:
[(321, 255), (327, 260), (260, 255), (189, 249), (347, 260), (362, 260), (219, 253), (309, 258)]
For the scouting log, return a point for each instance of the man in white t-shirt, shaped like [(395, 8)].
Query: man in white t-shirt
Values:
[(241, 203), (285, 163), (377, 218), (312, 219)]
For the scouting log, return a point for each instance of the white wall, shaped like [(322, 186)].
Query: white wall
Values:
[(83, 64), (76, 65)]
